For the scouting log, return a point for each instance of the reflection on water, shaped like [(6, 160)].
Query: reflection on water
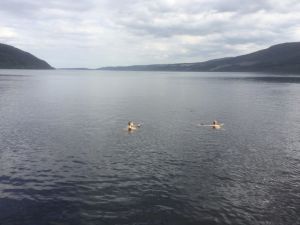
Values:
[(66, 159)]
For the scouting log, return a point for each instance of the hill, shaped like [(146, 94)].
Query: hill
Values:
[(278, 58), (14, 58)]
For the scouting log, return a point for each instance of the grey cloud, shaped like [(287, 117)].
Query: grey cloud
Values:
[(110, 32), (36, 8), (18, 8), (179, 20)]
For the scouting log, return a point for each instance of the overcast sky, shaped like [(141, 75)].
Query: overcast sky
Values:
[(95, 33)]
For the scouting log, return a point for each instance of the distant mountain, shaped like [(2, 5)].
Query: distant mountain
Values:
[(13, 58), (278, 58)]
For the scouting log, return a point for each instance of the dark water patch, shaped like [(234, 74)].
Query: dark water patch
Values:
[(281, 79), (30, 212), (266, 79)]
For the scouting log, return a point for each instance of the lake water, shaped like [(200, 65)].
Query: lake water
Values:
[(65, 158)]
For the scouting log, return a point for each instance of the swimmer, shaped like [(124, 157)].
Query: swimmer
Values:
[(216, 125), (131, 126)]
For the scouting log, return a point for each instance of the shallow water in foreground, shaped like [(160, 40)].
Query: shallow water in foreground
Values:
[(65, 158)]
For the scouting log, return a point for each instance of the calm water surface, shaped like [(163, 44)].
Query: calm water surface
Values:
[(65, 158)]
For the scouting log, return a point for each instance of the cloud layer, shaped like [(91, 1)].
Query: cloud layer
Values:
[(94, 33)]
